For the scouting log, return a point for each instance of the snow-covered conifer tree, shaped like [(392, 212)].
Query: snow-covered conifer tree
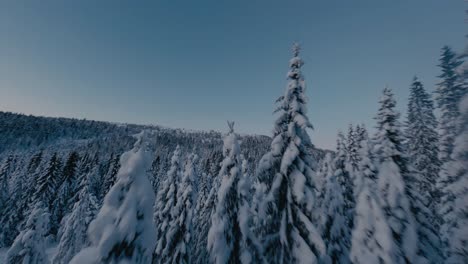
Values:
[(250, 246), (201, 254), (66, 191), (178, 245), (325, 167), (449, 93), (225, 236), (457, 223), (371, 240), (344, 176), (75, 225), (335, 232), (166, 200), (123, 231), (421, 140), (29, 246), (391, 185), (285, 180), (46, 190), (110, 176), (352, 148)]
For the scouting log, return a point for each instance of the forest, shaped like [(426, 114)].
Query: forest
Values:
[(81, 191)]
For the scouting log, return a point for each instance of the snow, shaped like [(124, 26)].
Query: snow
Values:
[(125, 217)]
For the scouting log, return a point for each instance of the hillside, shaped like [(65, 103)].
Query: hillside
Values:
[(33, 146)]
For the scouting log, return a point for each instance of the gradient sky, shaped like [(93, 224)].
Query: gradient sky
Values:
[(194, 64)]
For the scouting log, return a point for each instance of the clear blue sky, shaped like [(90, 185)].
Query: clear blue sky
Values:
[(194, 64)]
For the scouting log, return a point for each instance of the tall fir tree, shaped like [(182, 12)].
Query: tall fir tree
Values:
[(225, 236), (449, 93), (75, 225), (335, 232), (457, 223), (180, 234), (204, 223), (342, 169), (66, 192), (124, 231), (8, 231), (251, 249), (352, 148), (29, 246), (110, 176), (166, 200), (326, 169), (46, 190), (391, 186), (371, 240), (285, 176), (421, 148)]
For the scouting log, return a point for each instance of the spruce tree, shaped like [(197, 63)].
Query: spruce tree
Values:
[(326, 169), (179, 236), (46, 190), (110, 176), (391, 186), (66, 192), (343, 173), (75, 226), (7, 232), (421, 141), (47, 182), (335, 231), (29, 246), (352, 148), (204, 223), (285, 176), (371, 240), (457, 223), (124, 231), (449, 93), (251, 249), (166, 200), (225, 236)]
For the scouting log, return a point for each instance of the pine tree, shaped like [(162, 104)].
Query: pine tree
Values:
[(352, 148), (225, 236), (47, 182), (326, 169), (29, 245), (457, 223), (66, 191), (76, 224), (46, 190), (285, 176), (204, 223), (123, 231), (421, 137), (166, 200), (391, 185), (178, 247), (250, 247), (449, 93), (7, 232), (344, 176), (110, 176), (335, 230), (371, 240)]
